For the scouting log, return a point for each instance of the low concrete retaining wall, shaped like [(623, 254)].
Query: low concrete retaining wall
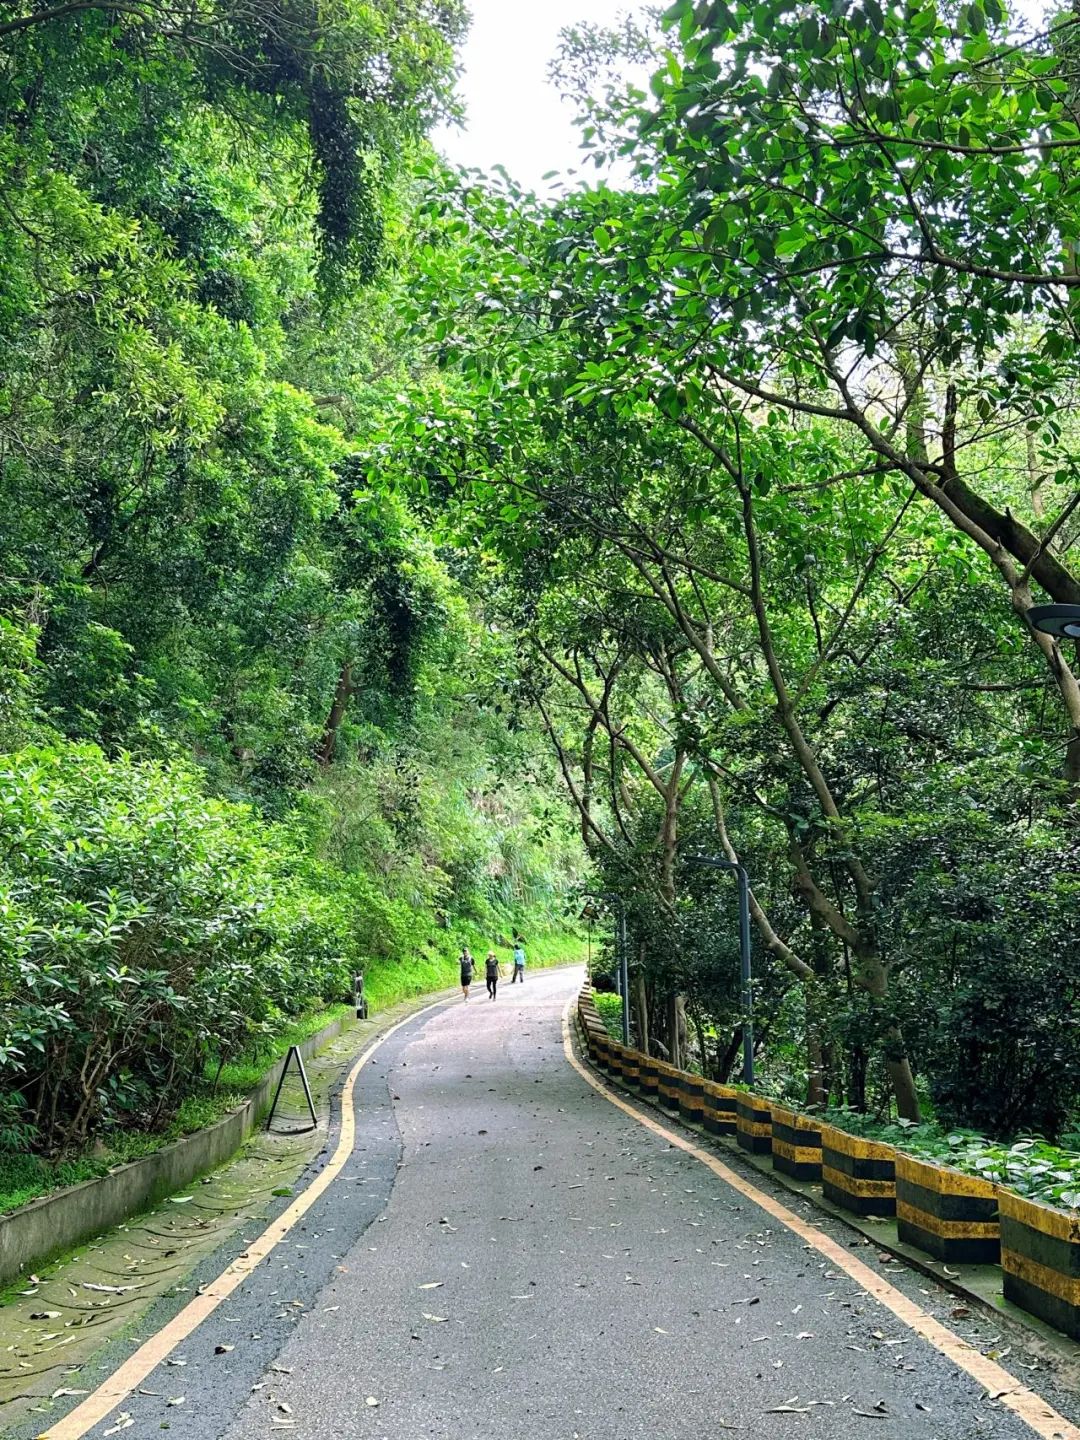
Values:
[(56, 1223)]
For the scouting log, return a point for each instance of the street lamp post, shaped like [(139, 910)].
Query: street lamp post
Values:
[(716, 862)]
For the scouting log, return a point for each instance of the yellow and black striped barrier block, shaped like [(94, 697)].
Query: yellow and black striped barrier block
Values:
[(691, 1097), (796, 1144), (591, 1025), (601, 1040), (952, 1216), (631, 1065), (1040, 1258), (753, 1123), (668, 1086), (648, 1075), (614, 1057), (858, 1174), (719, 1108)]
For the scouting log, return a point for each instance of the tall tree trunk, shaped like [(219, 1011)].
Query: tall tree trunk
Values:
[(324, 752), (699, 1030), (817, 1091), (817, 1085), (672, 1029), (873, 977), (640, 995), (728, 1057)]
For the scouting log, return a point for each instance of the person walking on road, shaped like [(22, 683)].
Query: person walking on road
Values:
[(466, 962), (491, 972), (519, 962)]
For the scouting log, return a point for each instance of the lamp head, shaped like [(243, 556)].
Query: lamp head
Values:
[(1061, 621)]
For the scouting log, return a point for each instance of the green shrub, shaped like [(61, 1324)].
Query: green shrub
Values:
[(609, 1008), (143, 930)]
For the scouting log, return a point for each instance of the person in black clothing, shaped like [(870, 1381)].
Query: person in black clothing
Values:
[(466, 962), (491, 973)]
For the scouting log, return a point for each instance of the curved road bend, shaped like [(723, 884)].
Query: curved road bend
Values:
[(508, 1256)]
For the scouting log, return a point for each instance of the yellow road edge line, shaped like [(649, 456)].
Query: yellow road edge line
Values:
[(135, 1369), (1029, 1407)]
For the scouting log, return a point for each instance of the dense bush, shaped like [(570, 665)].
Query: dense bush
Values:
[(985, 924), (145, 929)]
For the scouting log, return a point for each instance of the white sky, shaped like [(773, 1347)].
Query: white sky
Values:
[(514, 115)]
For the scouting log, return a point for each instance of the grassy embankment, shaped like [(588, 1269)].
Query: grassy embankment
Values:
[(24, 1177)]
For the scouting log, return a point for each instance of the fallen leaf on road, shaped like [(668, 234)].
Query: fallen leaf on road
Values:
[(123, 1422), (659, 1331), (223, 1349), (176, 1400), (371, 1401), (436, 1319), (57, 1394), (433, 1285)]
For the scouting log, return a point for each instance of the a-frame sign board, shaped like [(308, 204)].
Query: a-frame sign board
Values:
[(294, 1052)]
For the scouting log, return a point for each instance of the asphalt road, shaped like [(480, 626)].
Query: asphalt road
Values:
[(509, 1257)]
